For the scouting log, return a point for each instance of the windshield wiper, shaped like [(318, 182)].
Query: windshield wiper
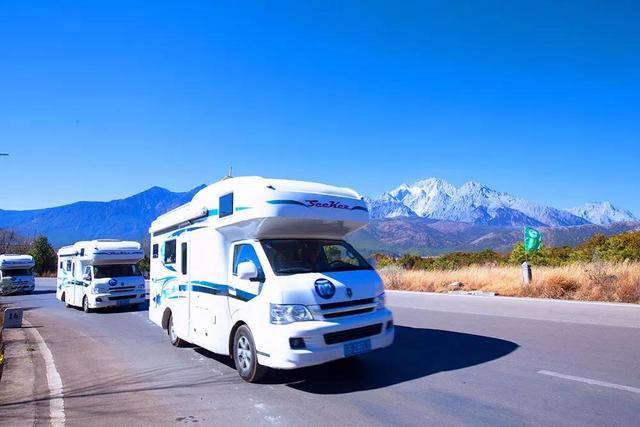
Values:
[(293, 270)]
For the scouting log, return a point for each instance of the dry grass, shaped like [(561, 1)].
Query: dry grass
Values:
[(599, 281)]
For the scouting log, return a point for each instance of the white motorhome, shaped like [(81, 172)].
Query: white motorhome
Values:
[(16, 274), (100, 273), (257, 269)]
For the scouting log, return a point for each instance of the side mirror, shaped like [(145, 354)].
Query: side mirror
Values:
[(247, 271), (372, 262)]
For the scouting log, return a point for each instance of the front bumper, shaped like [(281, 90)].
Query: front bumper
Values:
[(104, 300), (275, 350), (10, 289)]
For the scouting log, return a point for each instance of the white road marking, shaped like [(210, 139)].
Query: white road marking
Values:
[(56, 401), (591, 381)]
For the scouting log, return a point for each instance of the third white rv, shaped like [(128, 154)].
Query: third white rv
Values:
[(16, 274), (258, 269), (100, 273)]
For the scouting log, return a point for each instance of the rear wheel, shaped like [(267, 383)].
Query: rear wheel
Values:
[(173, 336), (245, 356), (85, 305), (66, 303)]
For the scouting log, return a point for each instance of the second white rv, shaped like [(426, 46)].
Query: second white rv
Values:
[(16, 274), (100, 273), (258, 269)]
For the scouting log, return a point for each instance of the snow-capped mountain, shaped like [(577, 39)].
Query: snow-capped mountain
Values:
[(602, 213), (472, 202)]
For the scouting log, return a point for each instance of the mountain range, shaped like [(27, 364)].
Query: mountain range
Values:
[(477, 204), (428, 217)]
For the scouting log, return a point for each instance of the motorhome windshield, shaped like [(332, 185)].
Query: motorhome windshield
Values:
[(115, 270), (17, 272), (292, 256)]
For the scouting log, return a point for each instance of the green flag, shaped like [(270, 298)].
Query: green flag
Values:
[(532, 239)]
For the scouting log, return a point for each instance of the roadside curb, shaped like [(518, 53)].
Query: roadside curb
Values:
[(17, 394)]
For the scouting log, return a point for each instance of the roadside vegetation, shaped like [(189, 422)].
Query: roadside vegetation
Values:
[(601, 269)]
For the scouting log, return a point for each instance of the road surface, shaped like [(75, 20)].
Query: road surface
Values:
[(457, 360)]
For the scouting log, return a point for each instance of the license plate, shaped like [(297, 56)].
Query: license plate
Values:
[(358, 347), (122, 302)]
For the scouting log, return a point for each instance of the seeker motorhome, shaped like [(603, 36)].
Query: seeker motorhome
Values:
[(100, 273), (258, 269), (16, 274)]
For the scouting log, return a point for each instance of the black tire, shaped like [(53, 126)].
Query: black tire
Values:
[(85, 305), (173, 336), (66, 303), (245, 356)]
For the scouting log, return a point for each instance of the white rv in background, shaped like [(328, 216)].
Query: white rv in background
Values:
[(16, 274), (100, 273), (258, 269)]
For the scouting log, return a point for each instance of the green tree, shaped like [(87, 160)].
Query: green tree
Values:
[(44, 255)]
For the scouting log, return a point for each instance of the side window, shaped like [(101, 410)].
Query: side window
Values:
[(68, 265), (183, 257), (243, 253), (226, 205), (155, 250), (170, 252), (87, 272), (61, 265)]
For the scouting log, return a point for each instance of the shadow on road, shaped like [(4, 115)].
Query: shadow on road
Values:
[(416, 353), (43, 291)]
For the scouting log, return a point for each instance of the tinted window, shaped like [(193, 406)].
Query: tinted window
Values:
[(243, 253), (116, 270), (155, 250), (17, 272), (226, 205), (170, 252), (183, 257), (68, 265), (306, 256)]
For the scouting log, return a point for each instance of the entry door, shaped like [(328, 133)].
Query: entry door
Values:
[(242, 291), (69, 285), (79, 288)]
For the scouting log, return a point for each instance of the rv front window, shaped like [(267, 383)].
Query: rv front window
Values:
[(115, 270), (14, 272), (292, 256)]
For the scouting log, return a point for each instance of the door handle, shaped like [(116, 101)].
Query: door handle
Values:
[(232, 291)]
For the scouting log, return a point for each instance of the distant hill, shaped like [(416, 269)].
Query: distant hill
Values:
[(127, 218), (426, 236)]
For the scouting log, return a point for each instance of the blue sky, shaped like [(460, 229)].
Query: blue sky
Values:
[(541, 99)]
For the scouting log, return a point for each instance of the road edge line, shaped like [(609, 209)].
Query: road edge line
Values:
[(54, 381)]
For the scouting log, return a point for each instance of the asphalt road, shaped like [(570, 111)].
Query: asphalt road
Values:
[(457, 360)]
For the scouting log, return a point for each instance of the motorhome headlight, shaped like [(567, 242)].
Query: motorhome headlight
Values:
[(380, 301), (100, 290), (282, 314)]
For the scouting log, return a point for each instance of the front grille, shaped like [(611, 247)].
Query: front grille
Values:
[(341, 304), (352, 334), (119, 297), (348, 313), (123, 289)]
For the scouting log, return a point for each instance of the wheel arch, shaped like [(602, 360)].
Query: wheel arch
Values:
[(166, 315), (232, 334)]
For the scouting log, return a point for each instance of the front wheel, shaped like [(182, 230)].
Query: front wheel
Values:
[(245, 357), (85, 305)]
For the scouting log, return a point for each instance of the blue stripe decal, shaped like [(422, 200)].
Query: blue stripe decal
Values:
[(359, 208), (184, 230), (286, 202)]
